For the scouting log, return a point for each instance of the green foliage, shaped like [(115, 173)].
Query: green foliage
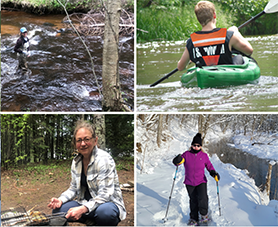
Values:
[(163, 24), (124, 163), (19, 158), (120, 134), (32, 138), (120, 167), (40, 168), (169, 22), (53, 6), (244, 10), (176, 20)]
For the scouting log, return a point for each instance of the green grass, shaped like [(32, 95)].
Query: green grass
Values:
[(38, 169), (176, 23), (124, 163), (53, 6), (58, 169), (169, 20)]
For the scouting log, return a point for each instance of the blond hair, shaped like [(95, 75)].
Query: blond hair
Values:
[(204, 11)]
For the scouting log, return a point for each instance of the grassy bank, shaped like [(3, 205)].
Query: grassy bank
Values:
[(172, 23), (176, 20), (244, 10), (53, 6)]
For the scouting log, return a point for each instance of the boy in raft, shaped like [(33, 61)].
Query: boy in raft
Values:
[(22, 47), (195, 160), (211, 45)]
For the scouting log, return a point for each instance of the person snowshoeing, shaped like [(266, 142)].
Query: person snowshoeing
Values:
[(195, 161), (22, 48)]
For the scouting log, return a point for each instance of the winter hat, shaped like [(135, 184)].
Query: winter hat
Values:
[(197, 139)]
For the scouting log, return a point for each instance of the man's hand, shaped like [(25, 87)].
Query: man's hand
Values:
[(75, 213)]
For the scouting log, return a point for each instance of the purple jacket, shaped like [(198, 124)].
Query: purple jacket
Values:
[(194, 165)]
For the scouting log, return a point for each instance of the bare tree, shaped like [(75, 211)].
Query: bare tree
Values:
[(204, 124), (159, 129), (99, 122), (110, 71)]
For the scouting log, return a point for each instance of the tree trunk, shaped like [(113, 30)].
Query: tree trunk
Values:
[(47, 139), (110, 70), (52, 125), (268, 179), (142, 117), (8, 136), (203, 124), (99, 122), (200, 123), (159, 130), (57, 147)]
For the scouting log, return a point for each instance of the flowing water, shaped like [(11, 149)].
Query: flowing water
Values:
[(60, 74), (257, 167), (156, 59)]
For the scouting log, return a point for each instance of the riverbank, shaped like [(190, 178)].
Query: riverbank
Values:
[(54, 7), (177, 19)]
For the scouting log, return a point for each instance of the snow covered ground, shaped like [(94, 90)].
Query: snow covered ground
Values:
[(262, 150), (241, 202)]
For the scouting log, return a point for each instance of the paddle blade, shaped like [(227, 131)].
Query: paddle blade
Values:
[(272, 6)]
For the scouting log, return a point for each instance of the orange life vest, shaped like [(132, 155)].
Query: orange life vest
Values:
[(209, 46)]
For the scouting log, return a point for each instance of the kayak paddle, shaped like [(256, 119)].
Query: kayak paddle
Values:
[(271, 7), (163, 78)]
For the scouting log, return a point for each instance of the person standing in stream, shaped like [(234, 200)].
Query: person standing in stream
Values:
[(22, 48), (195, 161)]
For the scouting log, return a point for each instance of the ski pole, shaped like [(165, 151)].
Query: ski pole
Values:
[(216, 178), (165, 219)]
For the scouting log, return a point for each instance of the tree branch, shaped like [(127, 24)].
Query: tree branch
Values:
[(87, 49)]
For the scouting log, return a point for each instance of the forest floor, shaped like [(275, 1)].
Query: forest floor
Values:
[(35, 185)]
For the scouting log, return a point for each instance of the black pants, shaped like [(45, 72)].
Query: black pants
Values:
[(198, 200)]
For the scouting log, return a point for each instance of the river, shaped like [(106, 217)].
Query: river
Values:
[(257, 167), (60, 76), (156, 59)]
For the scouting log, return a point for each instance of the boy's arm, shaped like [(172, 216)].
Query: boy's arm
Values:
[(184, 60), (238, 42)]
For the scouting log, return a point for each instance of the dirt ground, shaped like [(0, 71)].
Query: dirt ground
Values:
[(27, 189)]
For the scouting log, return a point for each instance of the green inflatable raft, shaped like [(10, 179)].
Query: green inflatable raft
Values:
[(222, 75)]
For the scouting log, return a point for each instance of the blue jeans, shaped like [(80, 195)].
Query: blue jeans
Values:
[(106, 214)]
